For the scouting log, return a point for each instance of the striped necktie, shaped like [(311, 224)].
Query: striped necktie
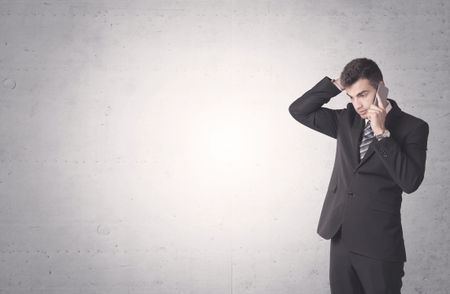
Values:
[(366, 140)]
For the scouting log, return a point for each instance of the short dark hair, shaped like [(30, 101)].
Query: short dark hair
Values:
[(361, 68)]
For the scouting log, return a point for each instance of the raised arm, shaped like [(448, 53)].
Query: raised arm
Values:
[(308, 108)]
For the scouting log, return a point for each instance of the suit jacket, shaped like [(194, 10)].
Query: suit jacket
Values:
[(364, 197)]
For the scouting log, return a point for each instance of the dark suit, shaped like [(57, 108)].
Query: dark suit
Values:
[(363, 199)]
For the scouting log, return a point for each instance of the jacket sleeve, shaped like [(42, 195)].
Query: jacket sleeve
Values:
[(308, 108), (405, 164)]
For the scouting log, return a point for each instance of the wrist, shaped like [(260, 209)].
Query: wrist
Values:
[(384, 134), (378, 132), (337, 84)]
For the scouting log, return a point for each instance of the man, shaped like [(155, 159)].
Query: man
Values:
[(380, 153)]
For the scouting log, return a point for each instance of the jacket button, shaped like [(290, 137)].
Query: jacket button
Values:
[(350, 194)]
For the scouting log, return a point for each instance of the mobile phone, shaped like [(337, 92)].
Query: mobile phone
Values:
[(382, 92)]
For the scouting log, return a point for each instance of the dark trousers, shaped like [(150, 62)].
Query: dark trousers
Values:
[(351, 273)]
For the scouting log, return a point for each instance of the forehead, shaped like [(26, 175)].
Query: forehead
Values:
[(359, 86)]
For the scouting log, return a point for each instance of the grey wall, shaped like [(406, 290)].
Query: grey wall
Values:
[(146, 146)]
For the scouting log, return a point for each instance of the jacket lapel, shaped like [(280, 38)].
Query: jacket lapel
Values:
[(357, 128)]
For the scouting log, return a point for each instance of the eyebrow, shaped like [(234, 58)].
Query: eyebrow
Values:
[(360, 93)]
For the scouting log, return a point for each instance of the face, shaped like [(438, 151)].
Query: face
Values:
[(362, 95)]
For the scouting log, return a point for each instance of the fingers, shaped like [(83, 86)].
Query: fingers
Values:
[(374, 107), (374, 112)]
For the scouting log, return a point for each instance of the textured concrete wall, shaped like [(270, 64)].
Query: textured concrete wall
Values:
[(146, 146)]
